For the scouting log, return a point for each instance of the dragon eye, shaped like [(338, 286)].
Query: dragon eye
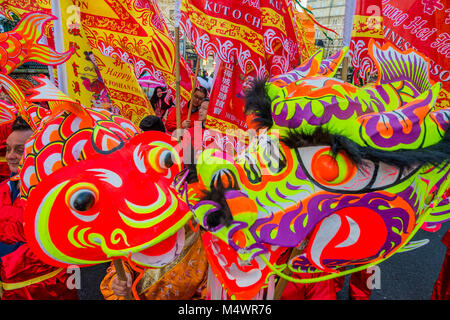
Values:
[(166, 159), (332, 170), (338, 173), (82, 200), (82, 197), (161, 159)]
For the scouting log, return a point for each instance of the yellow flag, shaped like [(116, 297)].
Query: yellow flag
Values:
[(96, 80), (125, 93), (83, 80)]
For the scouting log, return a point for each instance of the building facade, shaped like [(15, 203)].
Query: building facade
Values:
[(329, 13), (167, 8)]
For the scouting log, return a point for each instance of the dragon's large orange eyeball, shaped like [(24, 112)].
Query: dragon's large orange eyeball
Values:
[(332, 170)]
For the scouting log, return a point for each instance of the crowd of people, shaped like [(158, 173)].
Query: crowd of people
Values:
[(24, 276)]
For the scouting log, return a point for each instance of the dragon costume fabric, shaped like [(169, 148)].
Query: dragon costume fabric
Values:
[(74, 175), (76, 170), (21, 44), (344, 175)]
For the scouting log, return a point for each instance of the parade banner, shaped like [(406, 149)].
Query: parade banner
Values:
[(81, 75), (20, 7), (422, 24), (425, 26), (280, 37), (305, 35), (123, 88), (226, 106), (125, 30), (250, 39), (367, 24), (187, 76), (227, 29)]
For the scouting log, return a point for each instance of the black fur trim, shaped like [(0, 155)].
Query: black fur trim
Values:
[(296, 139), (257, 102), (217, 194), (192, 175), (435, 155), (223, 214)]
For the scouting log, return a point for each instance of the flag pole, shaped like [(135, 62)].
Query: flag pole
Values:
[(347, 33), (61, 74), (120, 270), (344, 71), (177, 78), (197, 67), (177, 67)]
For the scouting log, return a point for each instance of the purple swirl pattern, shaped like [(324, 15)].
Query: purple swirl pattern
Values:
[(291, 230), (406, 126), (304, 111)]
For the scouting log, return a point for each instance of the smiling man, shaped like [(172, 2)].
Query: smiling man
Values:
[(22, 275), (15, 143)]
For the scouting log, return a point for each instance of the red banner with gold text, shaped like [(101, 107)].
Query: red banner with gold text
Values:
[(425, 26), (226, 106), (367, 24), (228, 29), (420, 24)]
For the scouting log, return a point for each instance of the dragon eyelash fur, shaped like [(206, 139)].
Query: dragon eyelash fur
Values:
[(258, 103), (217, 194), (435, 155)]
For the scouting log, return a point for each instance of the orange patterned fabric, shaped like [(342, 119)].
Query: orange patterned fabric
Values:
[(184, 279)]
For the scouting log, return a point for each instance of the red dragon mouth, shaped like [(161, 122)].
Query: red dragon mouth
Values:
[(347, 234), (162, 253)]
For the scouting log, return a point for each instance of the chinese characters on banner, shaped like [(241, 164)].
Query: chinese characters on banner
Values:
[(425, 26), (126, 32), (420, 24), (231, 30), (119, 40), (250, 39), (84, 82), (226, 106), (367, 24)]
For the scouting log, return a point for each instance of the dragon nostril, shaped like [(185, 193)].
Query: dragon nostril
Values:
[(83, 200)]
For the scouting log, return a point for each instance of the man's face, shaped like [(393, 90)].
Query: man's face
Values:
[(15, 144), (197, 99), (203, 111)]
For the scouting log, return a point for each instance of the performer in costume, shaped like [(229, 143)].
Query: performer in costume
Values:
[(351, 172), (171, 121), (5, 130), (23, 275), (182, 279)]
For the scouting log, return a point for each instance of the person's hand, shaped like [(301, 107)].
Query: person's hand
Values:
[(122, 288), (186, 124)]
